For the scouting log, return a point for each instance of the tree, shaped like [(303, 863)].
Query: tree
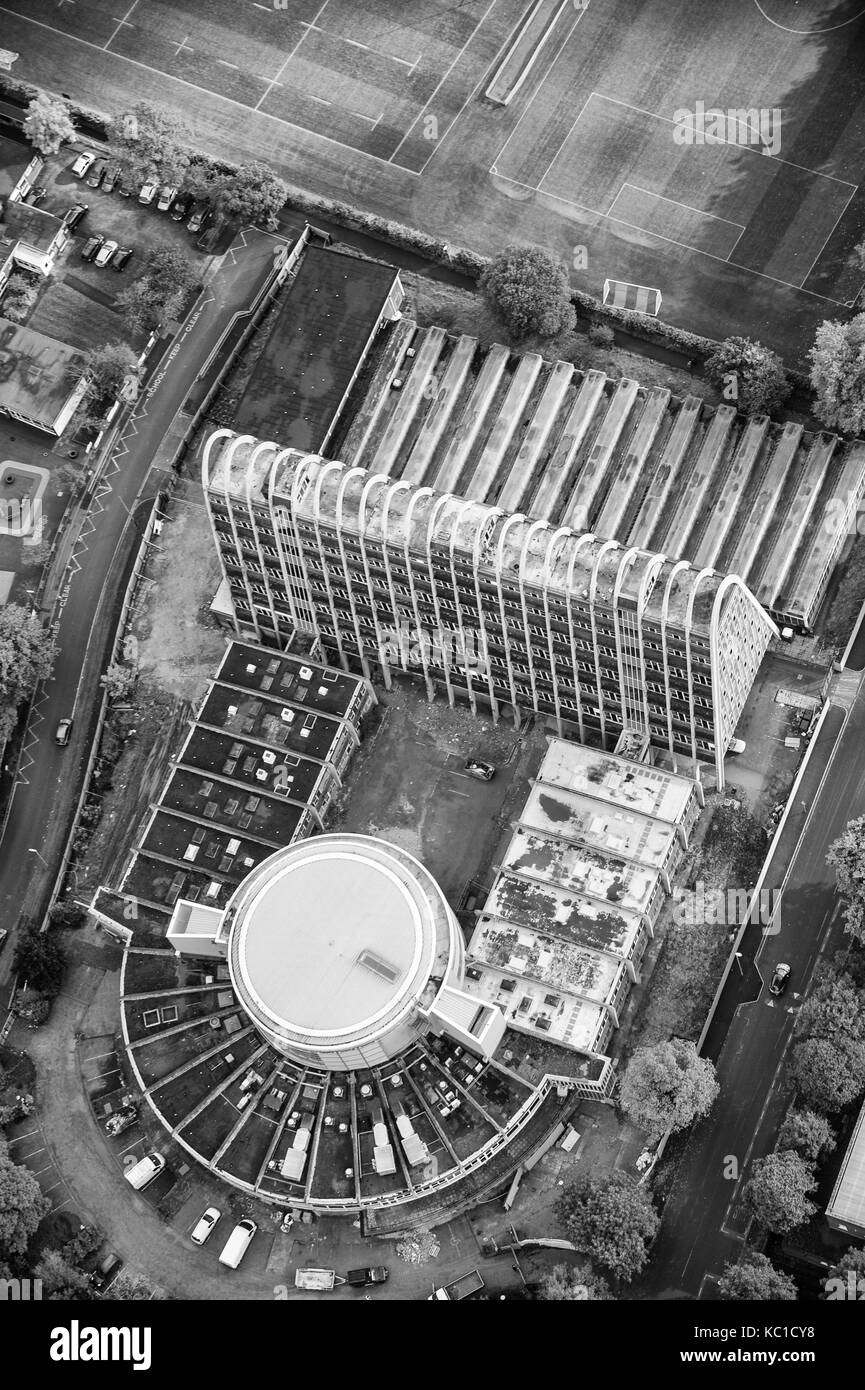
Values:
[(755, 1277), (27, 654), (41, 961), (127, 1290), (808, 1134), (15, 1105), (20, 296), (834, 1009), (253, 193), (527, 288), (149, 144), (573, 1284), (667, 1086), (117, 681), (846, 1279), (847, 857), (201, 180), (60, 1279), (838, 374), (22, 1205), (777, 1191), (48, 123), (107, 368), (85, 1242), (160, 291), (828, 1074), (751, 376), (68, 914), (610, 1218)]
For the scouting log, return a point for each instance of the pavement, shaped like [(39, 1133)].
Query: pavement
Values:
[(704, 1222), (89, 594)]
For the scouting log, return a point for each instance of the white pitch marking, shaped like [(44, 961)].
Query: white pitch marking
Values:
[(121, 23)]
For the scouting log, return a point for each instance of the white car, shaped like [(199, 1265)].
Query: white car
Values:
[(204, 1225), (82, 164), (147, 194), (167, 194), (105, 252)]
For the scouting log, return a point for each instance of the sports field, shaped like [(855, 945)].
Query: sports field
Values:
[(382, 102), (385, 78)]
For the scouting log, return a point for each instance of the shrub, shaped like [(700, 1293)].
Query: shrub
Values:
[(529, 290), (600, 335)]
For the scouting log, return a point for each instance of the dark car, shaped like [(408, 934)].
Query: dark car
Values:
[(200, 217), (121, 258), (112, 174), (359, 1278), (64, 729), (91, 246), (181, 207), (106, 1272), (75, 215), (780, 979), (476, 767), (94, 178), (128, 186), (37, 195)]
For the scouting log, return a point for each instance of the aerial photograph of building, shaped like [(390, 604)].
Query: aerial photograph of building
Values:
[(432, 636)]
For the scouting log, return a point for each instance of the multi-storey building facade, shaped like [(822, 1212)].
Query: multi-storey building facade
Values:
[(509, 613)]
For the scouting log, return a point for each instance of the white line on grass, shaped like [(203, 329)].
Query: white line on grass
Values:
[(183, 46), (831, 233), (687, 206), (355, 43), (121, 23), (565, 141), (540, 85), (749, 270), (274, 81), (223, 63), (442, 80), (353, 150)]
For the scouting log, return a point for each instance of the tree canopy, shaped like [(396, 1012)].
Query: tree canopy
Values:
[(107, 368), (847, 857), (838, 374), (667, 1086), (610, 1218), (808, 1134), (40, 960), (27, 653), (755, 1277), (751, 376), (253, 194), (573, 1284), (828, 1074), (150, 144), (48, 123), (160, 292), (527, 288), (777, 1191), (22, 1205)]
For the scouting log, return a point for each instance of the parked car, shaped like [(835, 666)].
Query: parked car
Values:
[(64, 729), (121, 1120), (91, 246), (122, 257), (147, 194), (4, 933), (476, 767), (780, 979), (145, 1170), (80, 166), (106, 1272), (238, 1243), (94, 177), (203, 1227), (375, 1274), (167, 194), (737, 745), (127, 186), (200, 217), (112, 174), (37, 195), (105, 252), (75, 215), (181, 207)]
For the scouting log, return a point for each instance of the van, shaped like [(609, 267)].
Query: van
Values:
[(238, 1243), (145, 1170)]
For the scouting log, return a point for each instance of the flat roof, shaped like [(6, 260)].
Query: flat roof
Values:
[(572, 816), (578, 868), (34, 226), (582, 921), (297, 680), (558, 964), (37, 374), (326, 319), (606, 777)]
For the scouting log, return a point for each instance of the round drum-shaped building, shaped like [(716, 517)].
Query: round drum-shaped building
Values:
[(336, 946)]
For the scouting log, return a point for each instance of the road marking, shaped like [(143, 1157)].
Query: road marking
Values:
[(223, 63), (465, 794), (183, 45), (121, 23)]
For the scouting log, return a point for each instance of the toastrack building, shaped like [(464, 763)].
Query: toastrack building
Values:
[(510, 613)]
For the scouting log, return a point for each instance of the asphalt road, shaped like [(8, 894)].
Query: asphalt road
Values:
[(704, 1221), (49, 780)]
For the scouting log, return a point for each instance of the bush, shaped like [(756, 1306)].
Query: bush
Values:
[(40, 960), (529, 290), (600, 335)]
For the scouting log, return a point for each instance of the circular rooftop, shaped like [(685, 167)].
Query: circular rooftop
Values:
[(335, 939)]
